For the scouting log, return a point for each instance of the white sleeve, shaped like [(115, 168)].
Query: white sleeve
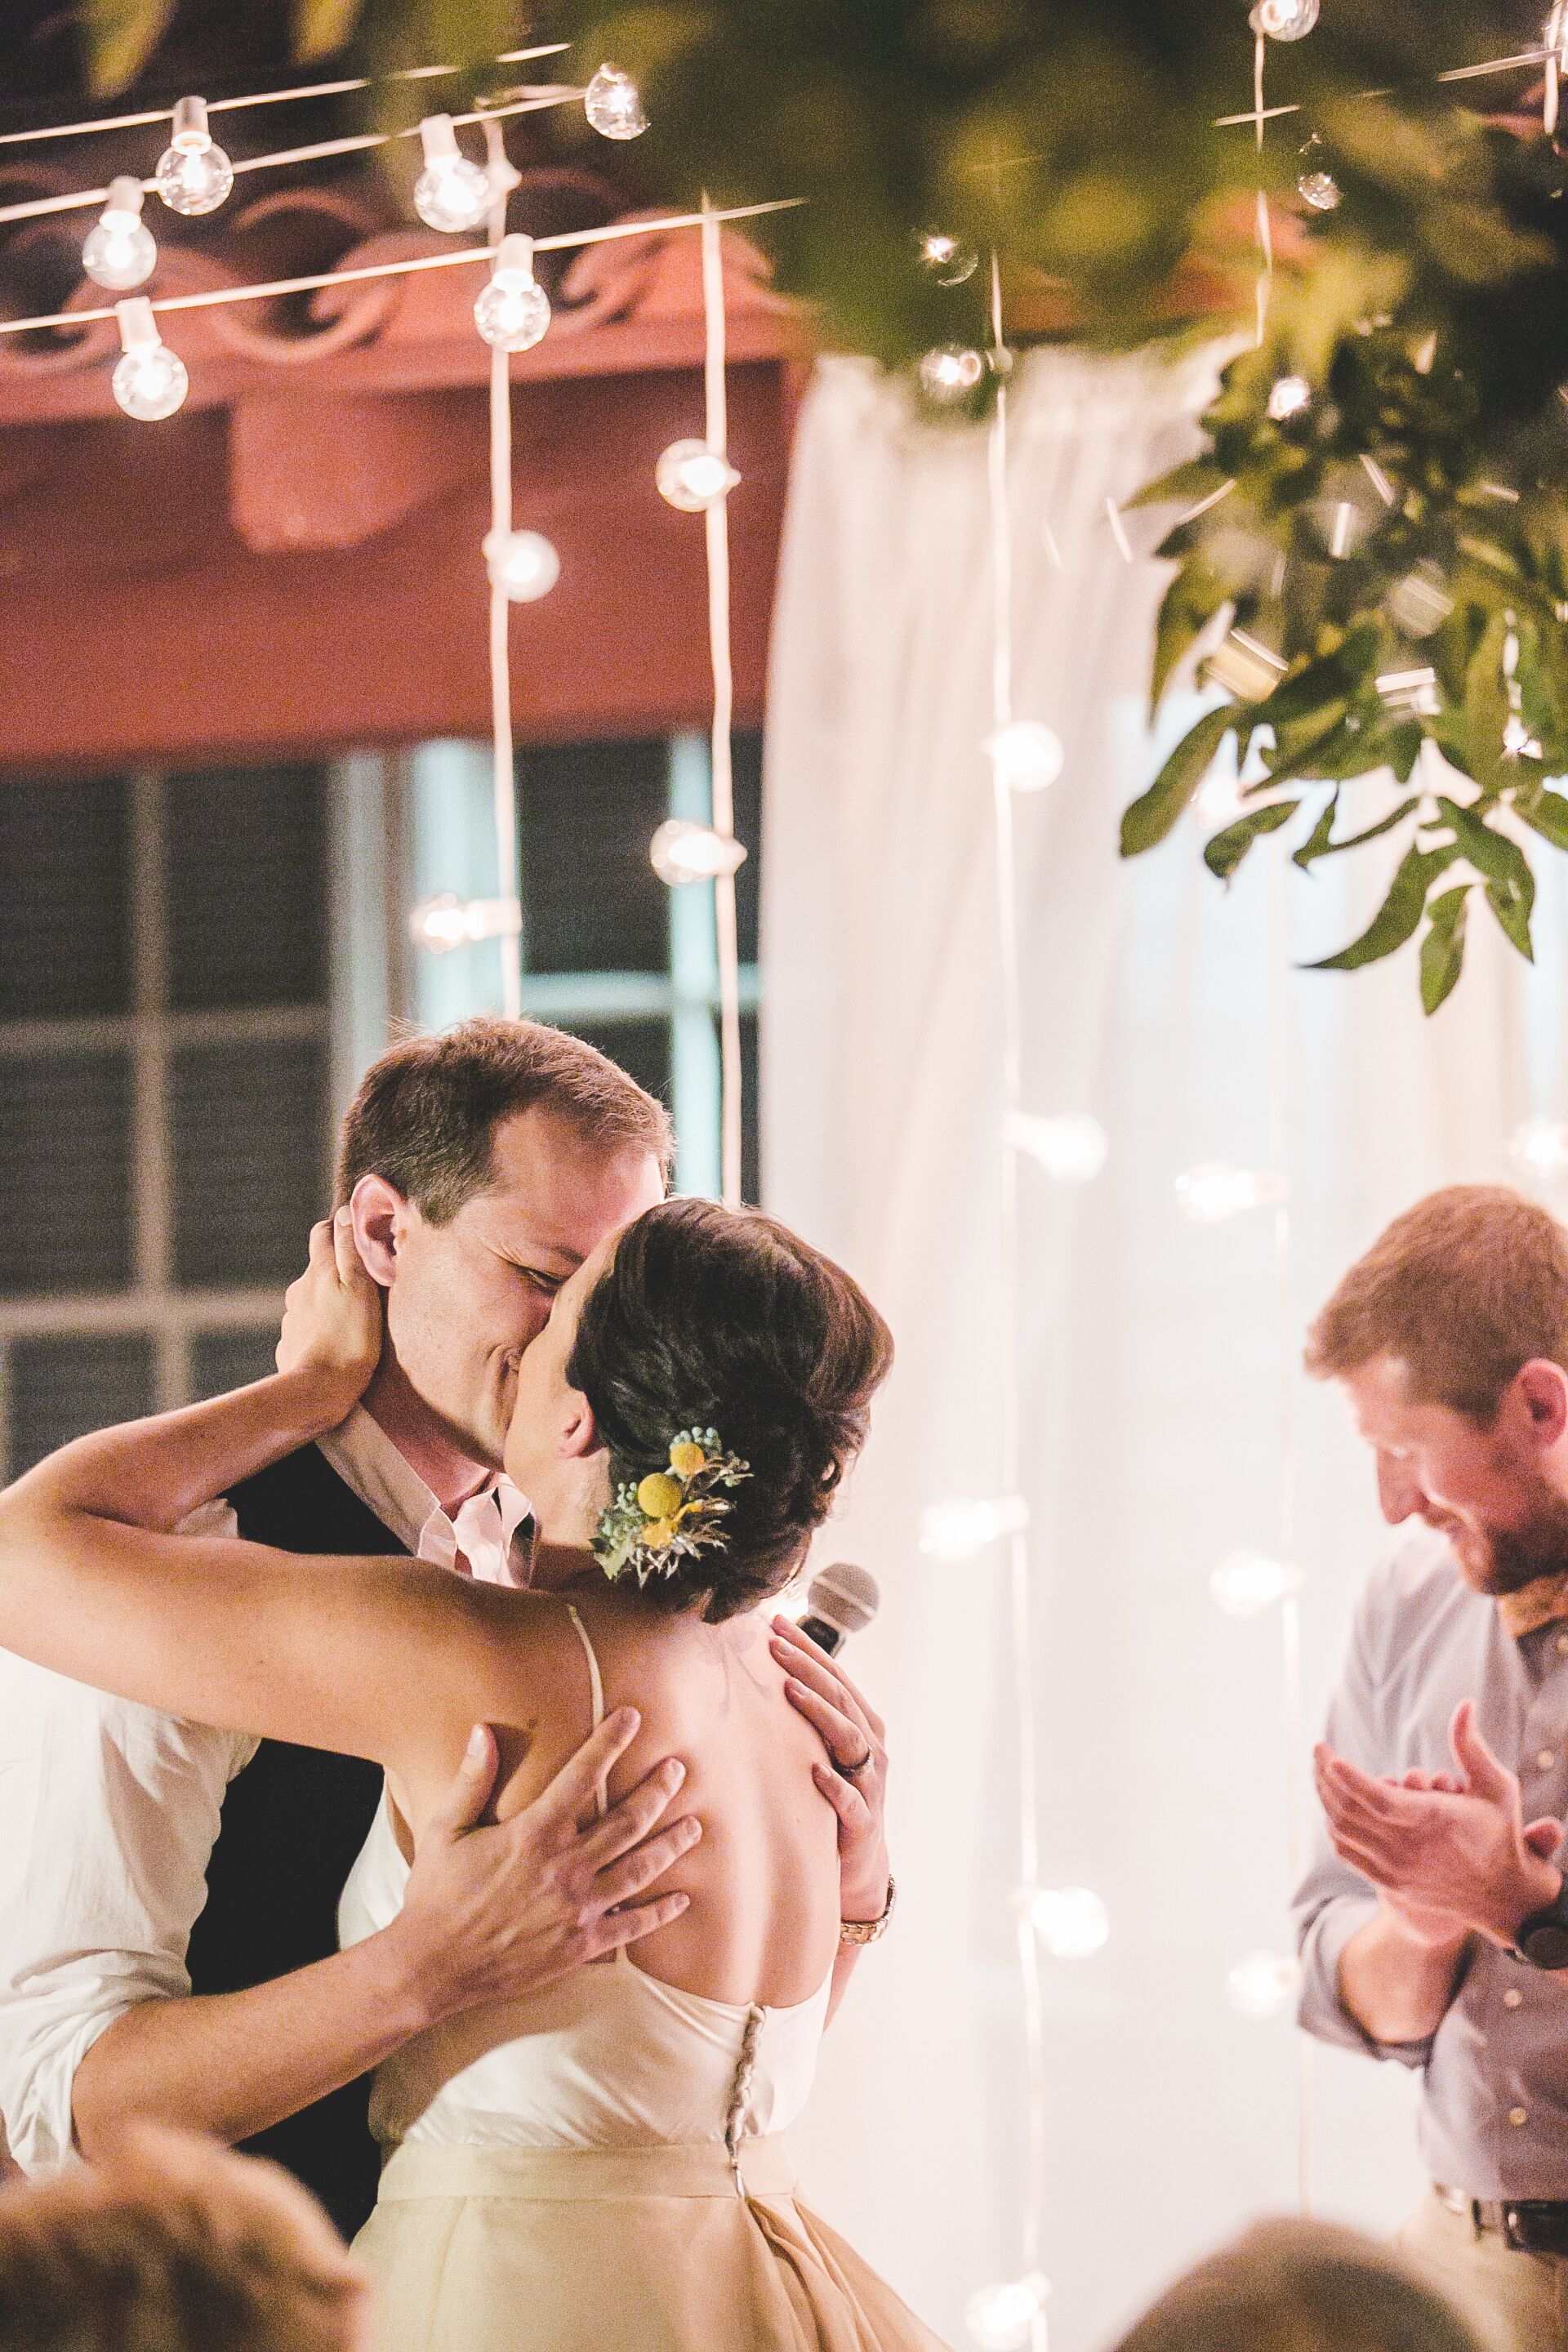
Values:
[(108, 1816)]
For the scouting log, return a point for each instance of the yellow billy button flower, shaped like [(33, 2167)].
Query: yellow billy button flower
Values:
[(686, 1458), (659, 1495)]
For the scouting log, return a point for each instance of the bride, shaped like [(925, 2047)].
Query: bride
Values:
[(599, 2168)]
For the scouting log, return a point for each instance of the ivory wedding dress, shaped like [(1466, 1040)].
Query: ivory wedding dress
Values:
[(600, 2169)]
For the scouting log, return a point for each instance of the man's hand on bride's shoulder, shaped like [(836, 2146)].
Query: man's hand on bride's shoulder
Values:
[(332, 1315), (854, 1779)]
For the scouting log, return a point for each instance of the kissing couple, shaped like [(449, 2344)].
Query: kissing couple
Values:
[(624, 1416)]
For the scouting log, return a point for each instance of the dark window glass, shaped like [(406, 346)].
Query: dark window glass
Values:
[(221, 1360), (751, 1113), (64, 929), (586, 814), (247, 889), (641, 1047), (746, 760), (248, 1124), (65, 1173), (62, 1388)]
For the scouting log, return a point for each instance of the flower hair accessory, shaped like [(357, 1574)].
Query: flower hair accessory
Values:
[(671, 1514)]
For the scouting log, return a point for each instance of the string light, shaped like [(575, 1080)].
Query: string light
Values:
[(194, 174), (1284, 20), (1002, 2318), (1263, 1985), (1071, 1922), (440, 924), (1071, 1147), (451, 194), (682, 851), (1217, 1189), (614, 105), (1315, 184), (1246, 1583), (1289, 397), (961, 1526), (121, 250), (1541, 1147), (1420, 602), (524, 564), (513, 310), (949, 261), (149, 380), (693, 477), (951, 372), (1026, 755)]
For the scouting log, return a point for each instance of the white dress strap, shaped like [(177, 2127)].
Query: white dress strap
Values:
[(596, 1687)]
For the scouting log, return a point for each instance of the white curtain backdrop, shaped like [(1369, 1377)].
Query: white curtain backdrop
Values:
[(1153, 1346)]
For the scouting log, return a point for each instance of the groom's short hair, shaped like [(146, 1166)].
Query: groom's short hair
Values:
[(428, 1109)]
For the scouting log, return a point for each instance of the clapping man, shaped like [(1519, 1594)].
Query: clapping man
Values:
[(1433, 1922)]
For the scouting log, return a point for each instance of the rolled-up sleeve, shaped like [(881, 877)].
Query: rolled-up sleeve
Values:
[(108, 1816), (1333, 1902)]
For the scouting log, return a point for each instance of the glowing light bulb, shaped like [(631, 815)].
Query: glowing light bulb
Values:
[(692, 476), (120, 251), (1284, 20), (1071, 1922), (1071, 1147), (1263, 1984), (959, 1527), (1517, 739), (1217, 1189), (1420, 602), (950, 374), (512, 311), (522, 564), (1541, 1145), (614, 106), (683, 852), (192, 175), (451, 194), (149, 380), (1289, 397), (1027, 756), (949, 260), (1246, 1583), (439, 925), (1315, 184), (1001, 2318)]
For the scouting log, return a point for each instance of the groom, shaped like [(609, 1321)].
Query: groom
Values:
[(168, 1894)]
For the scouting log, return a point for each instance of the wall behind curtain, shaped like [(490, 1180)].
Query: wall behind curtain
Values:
[(1153, 1346)]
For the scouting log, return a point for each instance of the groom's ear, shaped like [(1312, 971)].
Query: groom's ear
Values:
[(380, 1213)]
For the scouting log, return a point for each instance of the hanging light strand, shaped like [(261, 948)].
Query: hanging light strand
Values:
[(503, 769), (1009, 1364), (717, 533)]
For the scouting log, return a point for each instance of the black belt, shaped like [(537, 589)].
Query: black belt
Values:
[(1530, 2225)]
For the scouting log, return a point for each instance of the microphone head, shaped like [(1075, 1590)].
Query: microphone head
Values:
[(844, 1595)]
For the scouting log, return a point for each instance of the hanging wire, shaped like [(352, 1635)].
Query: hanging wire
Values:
[(716, 519), (503, 771)]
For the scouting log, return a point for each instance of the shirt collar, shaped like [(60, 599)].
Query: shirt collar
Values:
[(365, 1458), (1534, 1606)]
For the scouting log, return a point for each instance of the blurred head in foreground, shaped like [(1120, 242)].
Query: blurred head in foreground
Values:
[(172, 2244), (1301, 2287)]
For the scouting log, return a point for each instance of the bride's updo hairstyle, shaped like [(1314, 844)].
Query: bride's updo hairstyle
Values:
[(723, 1318)]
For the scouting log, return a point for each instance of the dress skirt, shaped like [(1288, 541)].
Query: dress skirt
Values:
[(637, 2250)]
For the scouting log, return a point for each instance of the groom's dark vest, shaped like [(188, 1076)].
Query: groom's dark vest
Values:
[(293, 1822)]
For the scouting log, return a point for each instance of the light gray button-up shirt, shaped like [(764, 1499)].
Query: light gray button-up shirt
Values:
[(1494, 2120)]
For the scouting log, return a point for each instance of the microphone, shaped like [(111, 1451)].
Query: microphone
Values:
[(839, 1602)]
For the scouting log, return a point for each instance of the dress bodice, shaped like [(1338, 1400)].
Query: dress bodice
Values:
[(605, 2058)]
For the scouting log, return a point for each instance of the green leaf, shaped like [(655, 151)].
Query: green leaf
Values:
[(1397, 919), (322, 27), (122, 35), (1486, 703), (1547, 814), (1510, 883), (1224, 852), (1154, 813), (1327, 848), (1194, 480), (1189, 604), (1443, 949), (1317, 842)]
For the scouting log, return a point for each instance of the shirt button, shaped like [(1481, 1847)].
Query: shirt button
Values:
[(1518, 2114), (1512, 1998), (1545, 1758)]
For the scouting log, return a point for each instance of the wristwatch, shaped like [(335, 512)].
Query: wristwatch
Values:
[(1542, 1938), (867, 1931)]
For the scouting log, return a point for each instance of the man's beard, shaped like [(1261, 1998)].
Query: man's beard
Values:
[(1520, 1556)]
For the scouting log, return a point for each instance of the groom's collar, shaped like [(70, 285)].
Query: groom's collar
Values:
[(482, 1527)]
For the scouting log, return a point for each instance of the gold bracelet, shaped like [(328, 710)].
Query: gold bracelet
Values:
[(867, 1931)]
